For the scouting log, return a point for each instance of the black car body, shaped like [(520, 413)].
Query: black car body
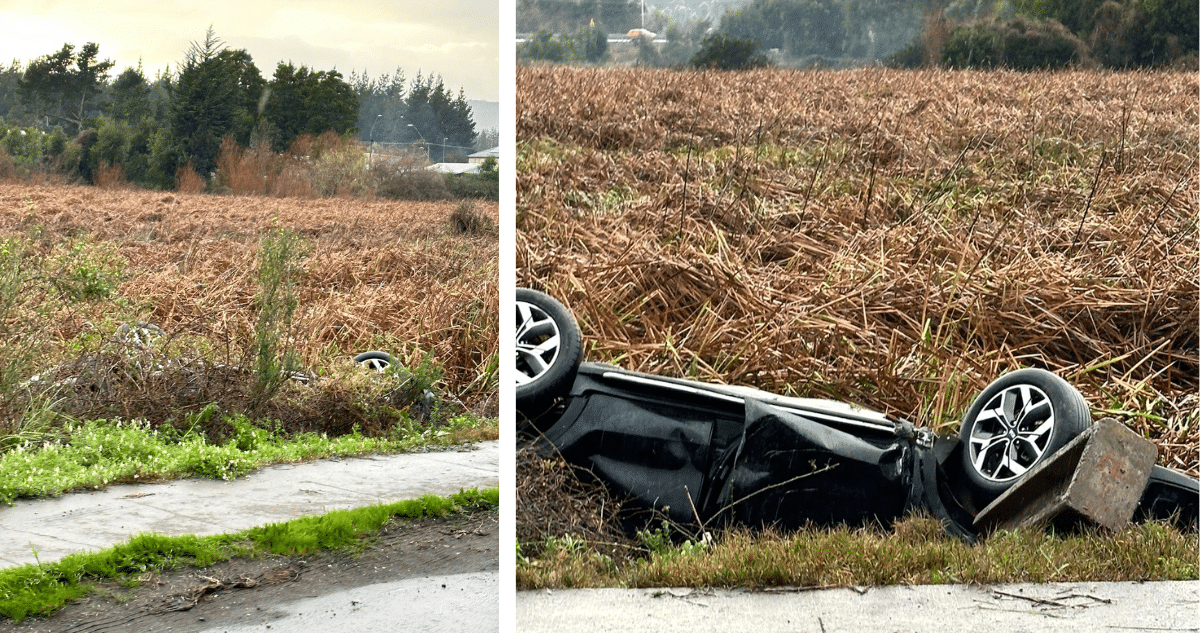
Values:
[(708, 454)]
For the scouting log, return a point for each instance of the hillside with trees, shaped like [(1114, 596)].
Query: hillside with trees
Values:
[(63, 118)]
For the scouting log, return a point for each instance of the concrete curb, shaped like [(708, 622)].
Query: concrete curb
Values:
[(1050, 608)]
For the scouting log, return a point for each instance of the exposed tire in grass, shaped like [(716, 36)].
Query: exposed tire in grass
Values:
[(1015, 423), (549, 349), (379, 361)]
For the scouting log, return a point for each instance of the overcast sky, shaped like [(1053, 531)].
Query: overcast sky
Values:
[(457, 39)]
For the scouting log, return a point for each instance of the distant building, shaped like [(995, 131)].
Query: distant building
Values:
[(455, 168), (479, 157)]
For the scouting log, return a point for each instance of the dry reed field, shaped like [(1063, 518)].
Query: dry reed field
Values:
[(374, 274), (892, 238)]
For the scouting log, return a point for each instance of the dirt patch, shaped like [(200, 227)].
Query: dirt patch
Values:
[(221, 595)]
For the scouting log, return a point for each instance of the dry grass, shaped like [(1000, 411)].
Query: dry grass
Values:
[(110, 176), (378, 275), (554, 498), (893, 238)]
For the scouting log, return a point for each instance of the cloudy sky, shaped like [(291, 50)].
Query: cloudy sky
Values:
[(457, 39)]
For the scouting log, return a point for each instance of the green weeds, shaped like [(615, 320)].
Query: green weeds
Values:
[(97, 453), (39, 589), (41, 284)]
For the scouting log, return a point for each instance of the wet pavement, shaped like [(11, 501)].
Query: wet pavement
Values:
[(436, 605), (1049, 608), (48, 529)]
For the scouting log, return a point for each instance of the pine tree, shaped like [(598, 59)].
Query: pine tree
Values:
[(203, 103)]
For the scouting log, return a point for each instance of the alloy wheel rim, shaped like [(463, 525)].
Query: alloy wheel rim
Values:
[(538, 341), (378, 364), (1012, 432)]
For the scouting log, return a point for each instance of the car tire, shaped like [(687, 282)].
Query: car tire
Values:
[(549, 349), (141, 335), (1015, 423), (379, 361)]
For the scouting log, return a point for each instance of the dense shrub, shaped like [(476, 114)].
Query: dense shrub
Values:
[(341, 171), (729, 53), (1020, 44), (472, 186), (545, 46), (24, 145), (911, 56), (113, 140), (484, 184), (8, 167)]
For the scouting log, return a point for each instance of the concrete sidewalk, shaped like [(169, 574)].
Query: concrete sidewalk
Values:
[(1052, 608), (87, 521)]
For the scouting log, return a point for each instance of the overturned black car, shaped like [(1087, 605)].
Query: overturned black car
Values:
[(712, 454)]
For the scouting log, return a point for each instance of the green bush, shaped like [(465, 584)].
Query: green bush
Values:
[(36, 288), (976, 45), (24, 145), (113, 140), (729, 53), (545, 46), (911, 56), (1020, 43), (594, 42), (275, 359), (481, 186)]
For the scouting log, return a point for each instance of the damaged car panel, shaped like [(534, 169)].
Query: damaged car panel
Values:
[(715, 454), (721, 456)]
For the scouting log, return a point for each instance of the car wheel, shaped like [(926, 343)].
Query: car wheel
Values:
[(379, 361), (1015, 423), (549, 350), (140, 335)]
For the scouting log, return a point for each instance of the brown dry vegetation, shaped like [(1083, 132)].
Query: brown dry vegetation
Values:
[(376, 275), (893, 238)]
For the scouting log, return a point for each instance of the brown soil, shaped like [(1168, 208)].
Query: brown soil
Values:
[(194, 600)]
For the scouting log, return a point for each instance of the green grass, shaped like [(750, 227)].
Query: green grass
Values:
[(915, 552), (40, 589), (93, 454)]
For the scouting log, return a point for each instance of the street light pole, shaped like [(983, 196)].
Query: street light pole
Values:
[(444, 139)]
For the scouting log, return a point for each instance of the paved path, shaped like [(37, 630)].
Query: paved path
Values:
[(86, 521), (462, 603), (1053, 608)]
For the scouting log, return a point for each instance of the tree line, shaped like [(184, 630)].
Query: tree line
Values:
[(62, 112), (1021, 34)]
